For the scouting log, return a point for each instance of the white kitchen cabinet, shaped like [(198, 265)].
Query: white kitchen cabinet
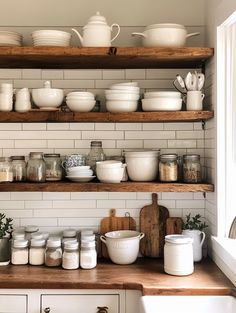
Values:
[(13, 303)]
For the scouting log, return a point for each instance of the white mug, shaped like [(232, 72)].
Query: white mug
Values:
[(6, 102), (194, 100)]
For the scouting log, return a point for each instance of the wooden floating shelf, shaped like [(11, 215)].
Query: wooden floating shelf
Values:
[(66, 186), (113, 57), (105, 117)]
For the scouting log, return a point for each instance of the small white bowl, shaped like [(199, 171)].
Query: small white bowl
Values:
[(122, 96), (162, 94), (121, 105), (81, 105), (162, 104), (133, 84), (109, 164), (80, 94), (122, 87), (47, 97), (110, 175)]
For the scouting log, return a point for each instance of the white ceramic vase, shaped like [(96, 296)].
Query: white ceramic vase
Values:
[(198, 239)]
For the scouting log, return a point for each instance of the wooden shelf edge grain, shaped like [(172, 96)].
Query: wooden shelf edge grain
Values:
[(105, 117), (66, 186), (102, 57)]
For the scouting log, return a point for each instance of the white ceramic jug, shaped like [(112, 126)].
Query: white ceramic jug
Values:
[(23, 103), (97, 33), (198, 239)]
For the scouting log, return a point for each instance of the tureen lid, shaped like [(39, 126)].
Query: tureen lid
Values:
[(97, 19)]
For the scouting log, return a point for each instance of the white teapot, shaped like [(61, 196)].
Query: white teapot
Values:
[(97, 33)]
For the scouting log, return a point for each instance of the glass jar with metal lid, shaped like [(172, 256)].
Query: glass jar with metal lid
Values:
[(95, 154), (168, 168), (36, 170), (53, 166), (192, 168), (18, 167), (53, 254), (6, 173)]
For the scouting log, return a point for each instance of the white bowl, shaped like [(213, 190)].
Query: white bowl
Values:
[(133, 84), (120, 91), (122, 105), (80, 105), (76, 168), (122, 87), (47, 97), (162, 104), (109, 164), (122, 245), (162, 94), (110, 175), (122, 96), (81, 94), (142, 166)]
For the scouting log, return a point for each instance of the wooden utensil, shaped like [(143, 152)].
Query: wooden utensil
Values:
[(153, 223), (113, 223), (174, 225)]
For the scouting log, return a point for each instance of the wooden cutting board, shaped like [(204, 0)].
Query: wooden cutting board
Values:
[(153, 224), (174, 225), (114, 222)]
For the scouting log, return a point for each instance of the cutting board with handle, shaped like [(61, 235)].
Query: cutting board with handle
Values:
[(153, 223), (174, 225), (113, 223)]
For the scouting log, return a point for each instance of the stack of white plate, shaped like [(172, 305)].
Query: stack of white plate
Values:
[(10, 38), (80, 101), (51, 38), (162, 101), (122, 97), (79, 173)]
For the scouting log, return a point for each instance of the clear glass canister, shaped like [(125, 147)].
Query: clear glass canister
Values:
[(178, 255), (37, 252), (88, 255), (192, 168), (18, 167), (6, 172), (53, 253), (19, 252), (36, 170), (95, 154), (53, 166), (70, 257), (168, 168)]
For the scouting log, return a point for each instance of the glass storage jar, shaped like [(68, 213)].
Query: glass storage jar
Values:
[(192, 168), (18, 167), (37, 252), (95, 154), (53, 166), (29, 230), (70, 257), (88, 255), (19, 252), (6, 172), (36, 170), (168, 168), (53, 253)]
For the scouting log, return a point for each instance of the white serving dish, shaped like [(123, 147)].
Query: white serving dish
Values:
[(121, 105), (122, 245), (120, 91), (52, 33), (47, 97), (80, 105), (109, 164), (162, 94), (124, 87), (80, 179), (122, 97), (110, 175), (162, 104)]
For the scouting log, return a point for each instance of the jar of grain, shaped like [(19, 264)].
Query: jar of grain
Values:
[(6, 172), (36, 170), (70, 258), (53, 253), (53, 166), (18, 167), (37, 252), (192, 168), (168, 168), (19, 253)]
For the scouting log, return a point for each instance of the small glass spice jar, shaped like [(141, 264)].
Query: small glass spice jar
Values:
[(53, 166), (70, 257), (168, 168), (88, 254), (19, 252), (36, 170), (37, 252), (18, 167), (95, 154), (53, 253), (6, 172), (192, 168)]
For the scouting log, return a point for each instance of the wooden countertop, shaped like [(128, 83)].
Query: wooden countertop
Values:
[(146, 275)]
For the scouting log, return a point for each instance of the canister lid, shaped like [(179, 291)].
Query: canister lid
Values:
[(178, 239), (192, 157), (37, 242), (31, 228), (168, 156), (53, 243), (70, 232), (71, 245), (20, 243)]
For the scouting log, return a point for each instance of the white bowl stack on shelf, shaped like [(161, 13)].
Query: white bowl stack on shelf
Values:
[(162, 101), (122, 97), (80, 173), (80, 101), (10, 38), (110, 171), (51, 37)]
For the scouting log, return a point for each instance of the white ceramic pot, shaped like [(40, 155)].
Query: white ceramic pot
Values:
[(122, 245), (47, 97), (164, 35), (198, 240)]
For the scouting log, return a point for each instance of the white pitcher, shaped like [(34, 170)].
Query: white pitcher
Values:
[(198, 239)]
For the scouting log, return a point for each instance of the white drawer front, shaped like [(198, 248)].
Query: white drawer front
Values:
[(79, 303), (13, 303)]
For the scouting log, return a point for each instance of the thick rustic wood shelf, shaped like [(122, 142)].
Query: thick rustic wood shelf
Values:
[(105, 117), (113, 57), (66, 186)]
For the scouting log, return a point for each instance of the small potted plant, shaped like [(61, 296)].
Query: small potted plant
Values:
[(193, 227), (6, 229)]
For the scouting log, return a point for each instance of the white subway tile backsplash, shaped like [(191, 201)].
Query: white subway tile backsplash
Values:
[(113, 74), (42, 204), (195, 204), (29, 83), (80, 222), (135, 74), (56, 196), (73, 204), (102, 135), (150, 134), (129, 144), (122, 195), (155, 144), (45, 222), (74, 84), (110, 204), (177, 196), (31, 74), (7, 144), (18, 213), (39, 144), (179, 144), (25, 195), (10, 126), (189, 134), (6, 73), (5, 196), (52, 74), (81, 126), (128, 126), (82, 74), (104, 126), (178, 126), (70, 144), (58, 126), (90, 195), (34, 126), (153, 126), (7, 205)]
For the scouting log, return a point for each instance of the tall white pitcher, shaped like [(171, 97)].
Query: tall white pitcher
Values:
[(198, 239)]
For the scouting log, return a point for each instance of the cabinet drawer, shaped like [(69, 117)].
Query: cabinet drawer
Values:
[(13, 303), (77, 303)]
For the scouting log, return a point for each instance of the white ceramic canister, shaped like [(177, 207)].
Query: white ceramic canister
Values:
[(70, 257), (19, 252), (178, 255), (37, 252)]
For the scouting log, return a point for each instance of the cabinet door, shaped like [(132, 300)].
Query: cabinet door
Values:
[(77, 303), (13, 303)]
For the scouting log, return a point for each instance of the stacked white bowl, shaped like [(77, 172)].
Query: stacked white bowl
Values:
[(110, 171), (80, 101), (10, 38), (122, 97), (51, 37), (79, 173), (162, 101)]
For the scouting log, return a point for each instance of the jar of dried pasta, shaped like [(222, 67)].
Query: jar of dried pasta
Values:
[(192, 168), (168, 168)]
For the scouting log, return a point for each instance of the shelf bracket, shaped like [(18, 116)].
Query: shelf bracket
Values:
[(204, 194), (203, 124)]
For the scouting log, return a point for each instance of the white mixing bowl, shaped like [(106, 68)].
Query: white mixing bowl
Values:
[(47, 97)]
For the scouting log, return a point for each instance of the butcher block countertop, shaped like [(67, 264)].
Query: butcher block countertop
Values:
[(146, 275)]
